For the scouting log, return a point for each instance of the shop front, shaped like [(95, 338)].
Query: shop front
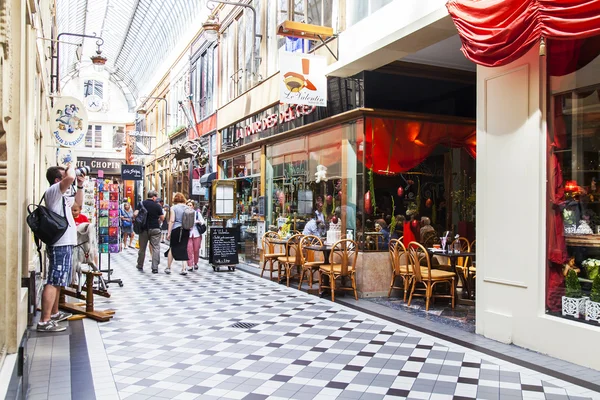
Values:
[(537, 172)]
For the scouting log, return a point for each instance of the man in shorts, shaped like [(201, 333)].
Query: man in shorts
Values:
[(60, 254)]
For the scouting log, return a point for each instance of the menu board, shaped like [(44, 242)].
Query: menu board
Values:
[(223, 246), (108, 217)]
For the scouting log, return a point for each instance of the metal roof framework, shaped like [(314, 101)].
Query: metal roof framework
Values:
[(138, 36)]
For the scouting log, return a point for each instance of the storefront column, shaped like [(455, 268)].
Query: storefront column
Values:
[(511, 209)]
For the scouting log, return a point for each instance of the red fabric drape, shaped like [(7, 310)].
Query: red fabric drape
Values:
[(497, 32), (395, 146)]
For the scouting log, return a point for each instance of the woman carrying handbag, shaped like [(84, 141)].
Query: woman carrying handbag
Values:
[(195, 240), (177, 236)]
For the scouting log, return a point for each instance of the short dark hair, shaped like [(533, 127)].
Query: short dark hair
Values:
[(54, 173)]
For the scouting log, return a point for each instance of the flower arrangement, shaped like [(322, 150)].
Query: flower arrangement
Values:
[(573, 287), (592, 266)]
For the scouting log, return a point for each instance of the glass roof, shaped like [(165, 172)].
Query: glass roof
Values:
[(138, 36)]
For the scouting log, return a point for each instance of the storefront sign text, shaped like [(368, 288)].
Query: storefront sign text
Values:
[(109, 166), (290, 113)]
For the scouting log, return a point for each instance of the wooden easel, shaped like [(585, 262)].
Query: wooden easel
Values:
[(88, 311)]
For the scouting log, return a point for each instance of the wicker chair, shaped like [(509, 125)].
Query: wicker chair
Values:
[(426, 276), (310, 264), (400, 267), (292, 257), (342, 263), (269, 254), (471, 271)]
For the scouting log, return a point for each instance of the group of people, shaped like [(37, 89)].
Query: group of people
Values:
[(184, 244)]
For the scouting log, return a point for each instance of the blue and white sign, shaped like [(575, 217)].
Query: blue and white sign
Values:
[(69, 122)]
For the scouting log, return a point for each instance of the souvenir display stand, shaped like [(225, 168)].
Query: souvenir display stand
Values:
[(109, 223)]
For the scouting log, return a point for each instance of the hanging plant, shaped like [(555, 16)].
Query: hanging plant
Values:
[(393, 222), (372, 191)]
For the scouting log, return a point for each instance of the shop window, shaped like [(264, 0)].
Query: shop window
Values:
[(315, 12), (239, 167), (573, 210), (93, 87), (227, 168)]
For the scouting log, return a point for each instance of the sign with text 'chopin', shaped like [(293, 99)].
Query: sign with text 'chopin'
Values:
[(303, 79), (110, 166)]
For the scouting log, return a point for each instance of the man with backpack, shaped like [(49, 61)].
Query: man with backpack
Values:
[(60, 253), (147, 219)]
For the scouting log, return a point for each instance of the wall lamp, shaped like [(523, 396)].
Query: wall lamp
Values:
[(98, 60)]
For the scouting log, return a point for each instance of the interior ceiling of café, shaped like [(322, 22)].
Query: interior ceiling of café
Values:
[(138, 36)]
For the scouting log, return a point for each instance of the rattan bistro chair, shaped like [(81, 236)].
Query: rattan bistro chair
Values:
[(270, 255), (426, 276), (471, 270), (342, 263), (310, 264), (400, 267), (292, 257)]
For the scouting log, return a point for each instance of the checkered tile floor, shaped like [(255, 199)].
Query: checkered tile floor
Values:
[(232, 335)]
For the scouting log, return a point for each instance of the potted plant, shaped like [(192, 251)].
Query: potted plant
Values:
[(592, 306), (573, 302)]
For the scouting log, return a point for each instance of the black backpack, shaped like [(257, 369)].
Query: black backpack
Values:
[(47, 226), (140, 222)]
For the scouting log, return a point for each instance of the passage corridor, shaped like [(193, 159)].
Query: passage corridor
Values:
[(233, 335)]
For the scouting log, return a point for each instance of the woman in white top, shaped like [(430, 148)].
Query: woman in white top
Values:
[(195, 240)]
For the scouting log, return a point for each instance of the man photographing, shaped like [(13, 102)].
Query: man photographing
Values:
[(60, 254)]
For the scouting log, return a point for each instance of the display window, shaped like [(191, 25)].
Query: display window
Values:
[(573, 168)]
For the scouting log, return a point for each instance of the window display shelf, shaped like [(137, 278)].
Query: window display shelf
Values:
[(583, 240)]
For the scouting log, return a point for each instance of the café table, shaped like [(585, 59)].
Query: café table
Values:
[(453, 257), (325, 249)]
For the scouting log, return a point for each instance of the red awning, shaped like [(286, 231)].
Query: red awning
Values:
[(497, 32)]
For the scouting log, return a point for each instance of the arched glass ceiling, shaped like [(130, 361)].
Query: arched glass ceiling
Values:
[(138, 35)]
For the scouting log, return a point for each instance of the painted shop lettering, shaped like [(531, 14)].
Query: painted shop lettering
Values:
[(289, 114)]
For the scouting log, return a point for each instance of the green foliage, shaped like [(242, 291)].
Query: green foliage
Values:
[(465, 198), (595, 295), (393, 222), (573, 287), (372, 190)]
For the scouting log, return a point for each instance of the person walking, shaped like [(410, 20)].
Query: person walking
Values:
[(195, 240), (127, 225), (60, 254), (150, 232), (177, 236)]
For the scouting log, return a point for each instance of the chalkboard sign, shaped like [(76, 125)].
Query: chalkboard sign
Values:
[(261, 206), (223, 246)]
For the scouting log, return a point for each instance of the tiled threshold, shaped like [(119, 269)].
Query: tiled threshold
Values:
[(563, 370)]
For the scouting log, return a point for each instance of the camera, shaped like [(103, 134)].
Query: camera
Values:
[(85, 170)]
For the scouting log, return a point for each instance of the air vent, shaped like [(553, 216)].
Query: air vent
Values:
[(243, 325)]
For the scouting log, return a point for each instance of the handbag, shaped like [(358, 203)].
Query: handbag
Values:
[(124, 223), (201, 227)]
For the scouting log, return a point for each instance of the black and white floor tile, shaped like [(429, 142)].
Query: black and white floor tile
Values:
[(232, 335)]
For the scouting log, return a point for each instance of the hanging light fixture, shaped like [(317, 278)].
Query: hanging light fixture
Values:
[(98, 60), (211, 28)]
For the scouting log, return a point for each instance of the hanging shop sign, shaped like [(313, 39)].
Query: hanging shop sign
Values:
[(69, 122), (288, 113), (132, 172), (109, 166), (303, 79)]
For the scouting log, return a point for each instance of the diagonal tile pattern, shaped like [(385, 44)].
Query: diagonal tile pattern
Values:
[(232, 335)]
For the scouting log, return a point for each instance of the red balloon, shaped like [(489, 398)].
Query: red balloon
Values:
[(368, 205), (334, 219), (329, 199), (400, 191), (428, 203), (414, 223)]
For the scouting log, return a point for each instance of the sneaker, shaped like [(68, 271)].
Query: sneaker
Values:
[(50, 326), (155, 271), (168, 271), (196, 266), (61, 316), (190, 268), (183, 273)]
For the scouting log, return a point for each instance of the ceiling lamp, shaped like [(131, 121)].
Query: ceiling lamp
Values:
[(98, 60), (211, 29)]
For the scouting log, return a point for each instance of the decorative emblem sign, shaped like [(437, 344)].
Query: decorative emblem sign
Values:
[(303, 79), (69, 122)]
